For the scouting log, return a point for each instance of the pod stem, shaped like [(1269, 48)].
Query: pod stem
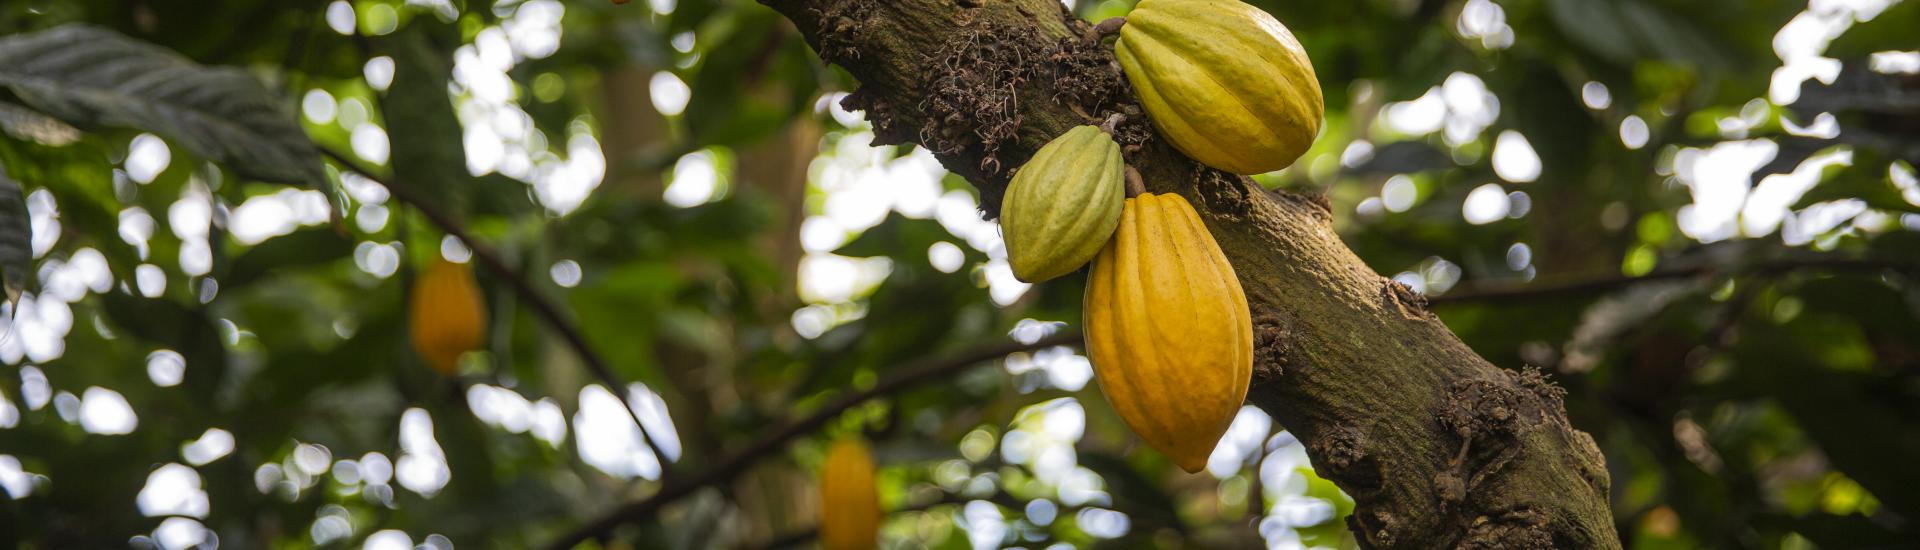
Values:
[(1136, 185), (1112, 123), (1106, 28)]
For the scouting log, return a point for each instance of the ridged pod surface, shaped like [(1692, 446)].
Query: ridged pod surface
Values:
[(449, 317), (1063, 204), (1168, 329), (1225, 82), (849, 501)]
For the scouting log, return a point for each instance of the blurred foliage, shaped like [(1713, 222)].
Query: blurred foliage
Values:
[(677, 176)]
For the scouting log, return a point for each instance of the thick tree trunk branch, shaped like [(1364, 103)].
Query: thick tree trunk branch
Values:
[(1438, 447)]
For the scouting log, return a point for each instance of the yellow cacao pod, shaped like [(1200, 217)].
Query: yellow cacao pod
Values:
[(1063, 204), (849, 501), (449, 317), (1168, 329), (1226, 83)]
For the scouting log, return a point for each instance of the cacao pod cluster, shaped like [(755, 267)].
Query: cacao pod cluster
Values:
[(1168, 327), (448, 316), (849, 500)]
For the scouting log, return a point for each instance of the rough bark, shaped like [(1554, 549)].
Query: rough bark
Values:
[(1438, 447)]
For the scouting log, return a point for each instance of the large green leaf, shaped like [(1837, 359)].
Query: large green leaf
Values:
[(16, 238), (302, 249), (88, 76), (751, 82), (30, 125), (427, 151)]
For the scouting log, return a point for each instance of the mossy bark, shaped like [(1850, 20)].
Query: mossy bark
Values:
[(1438, 447)]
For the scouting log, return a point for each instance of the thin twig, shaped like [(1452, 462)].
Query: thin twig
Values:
[(727, 467), (1589, 285), (543, 308)]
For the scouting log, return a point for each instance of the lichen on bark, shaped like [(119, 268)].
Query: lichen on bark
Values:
[(1437, 446)]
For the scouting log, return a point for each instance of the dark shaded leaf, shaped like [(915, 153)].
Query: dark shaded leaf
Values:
[(1596, 26), (16, 238), (191, 332), (1831, 531), (1793, 151), (89, 76), (427, 147), (750, 83), (307, 247), (1866, 179), (1629, 30), (28, 124), (1402, 157), (1859, 88), (1862, 434)]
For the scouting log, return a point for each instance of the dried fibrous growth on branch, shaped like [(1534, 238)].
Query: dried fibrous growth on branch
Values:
[(1437, 446)]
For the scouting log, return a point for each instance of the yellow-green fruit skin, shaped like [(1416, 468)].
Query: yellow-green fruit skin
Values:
[(1168, 329), (849, 501), (449, 317), (1063, 204), (1225, 82)]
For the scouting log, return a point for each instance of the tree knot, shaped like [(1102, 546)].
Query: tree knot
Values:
[(1341, 454), (843, 27), (1522, 529), (879, 112), (1225, 195), (1399, 297), (1272, 343)]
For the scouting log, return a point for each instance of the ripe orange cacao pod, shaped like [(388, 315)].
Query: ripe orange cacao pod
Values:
[(1168, 329), (1063, 204), (449, 318), (1226, 83), (849, 500)]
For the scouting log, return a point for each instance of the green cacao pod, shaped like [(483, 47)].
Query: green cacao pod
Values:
[(849, 501), (1168, 329), (1226, 83), (1063, 204)]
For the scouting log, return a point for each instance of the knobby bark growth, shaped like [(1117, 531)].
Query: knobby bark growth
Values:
[(1438, 447)]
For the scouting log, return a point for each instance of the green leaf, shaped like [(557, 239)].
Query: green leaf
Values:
[(30, 125), (1858, 419), (89, 76), (1625, 32), (303, 248), (16, 238), (1866, 179), (741, 93), (427, 150)]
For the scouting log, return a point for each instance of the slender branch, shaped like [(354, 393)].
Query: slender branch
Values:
[(727, 467), (1589, 285), (543, 308)]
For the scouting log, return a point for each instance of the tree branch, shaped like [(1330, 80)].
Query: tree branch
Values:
[(1604, 283), (731, 465), (543, 308), (1437, 446)]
